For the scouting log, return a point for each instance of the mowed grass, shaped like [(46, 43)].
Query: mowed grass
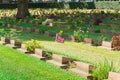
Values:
[(17, 66), (77, 51), (55, 29)]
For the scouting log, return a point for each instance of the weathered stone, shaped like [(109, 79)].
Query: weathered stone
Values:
[(88, 68), (113, 76), (21, 28), (83, 69), (40, 54), (14, 44), (91, 30), (6, 40), (72, 37), (60, 61), (9, 25), (28, 29), (106, 44), (47, 33), (30, 21), (88, 41), (15, 27), (52, 34), (102, 24), (3, 24), (51, 24), (104, 31), (23, 49), (37, 31), (113, 26)]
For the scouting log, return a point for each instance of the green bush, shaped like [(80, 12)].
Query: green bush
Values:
[(99, 40), (80, 35), (32, 44), (9, 33)]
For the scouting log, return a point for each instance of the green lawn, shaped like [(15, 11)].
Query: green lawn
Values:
[(17, 66), (55, 29), (77, 51)]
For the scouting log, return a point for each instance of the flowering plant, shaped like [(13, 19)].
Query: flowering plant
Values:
[(32, 44), (80, 35), (60, 33)]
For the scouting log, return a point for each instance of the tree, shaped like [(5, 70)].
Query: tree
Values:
[(22, 9)]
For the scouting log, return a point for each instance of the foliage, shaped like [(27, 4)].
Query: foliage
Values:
[(103, 68), (9, 33), (60, 33), (80, 35), (37, 9), (81, 5), (81, 52), (99, 40), (107, 5), (32, 44)]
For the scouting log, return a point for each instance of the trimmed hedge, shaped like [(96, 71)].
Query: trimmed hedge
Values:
[(72, 5), (7, 6), (82, 5), (107, 5)]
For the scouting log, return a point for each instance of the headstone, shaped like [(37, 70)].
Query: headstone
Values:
[(113, 76), (83, 69), (60, 61)]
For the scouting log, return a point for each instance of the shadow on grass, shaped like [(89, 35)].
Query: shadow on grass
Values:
[(25, 36)]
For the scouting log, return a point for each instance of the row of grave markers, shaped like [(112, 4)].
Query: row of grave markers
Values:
[(80, 68), (52, 34)]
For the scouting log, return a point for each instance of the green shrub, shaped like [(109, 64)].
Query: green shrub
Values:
[(32, 44), (80, 35), (9, 33), (99, 40)]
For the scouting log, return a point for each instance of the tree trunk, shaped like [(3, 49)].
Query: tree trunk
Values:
[(22, 9)]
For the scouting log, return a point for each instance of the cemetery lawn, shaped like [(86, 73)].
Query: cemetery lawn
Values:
[(17, 66), (77, 51), (74, 50)]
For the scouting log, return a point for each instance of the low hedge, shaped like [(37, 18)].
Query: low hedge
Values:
[(72, 5), (107, 5)]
